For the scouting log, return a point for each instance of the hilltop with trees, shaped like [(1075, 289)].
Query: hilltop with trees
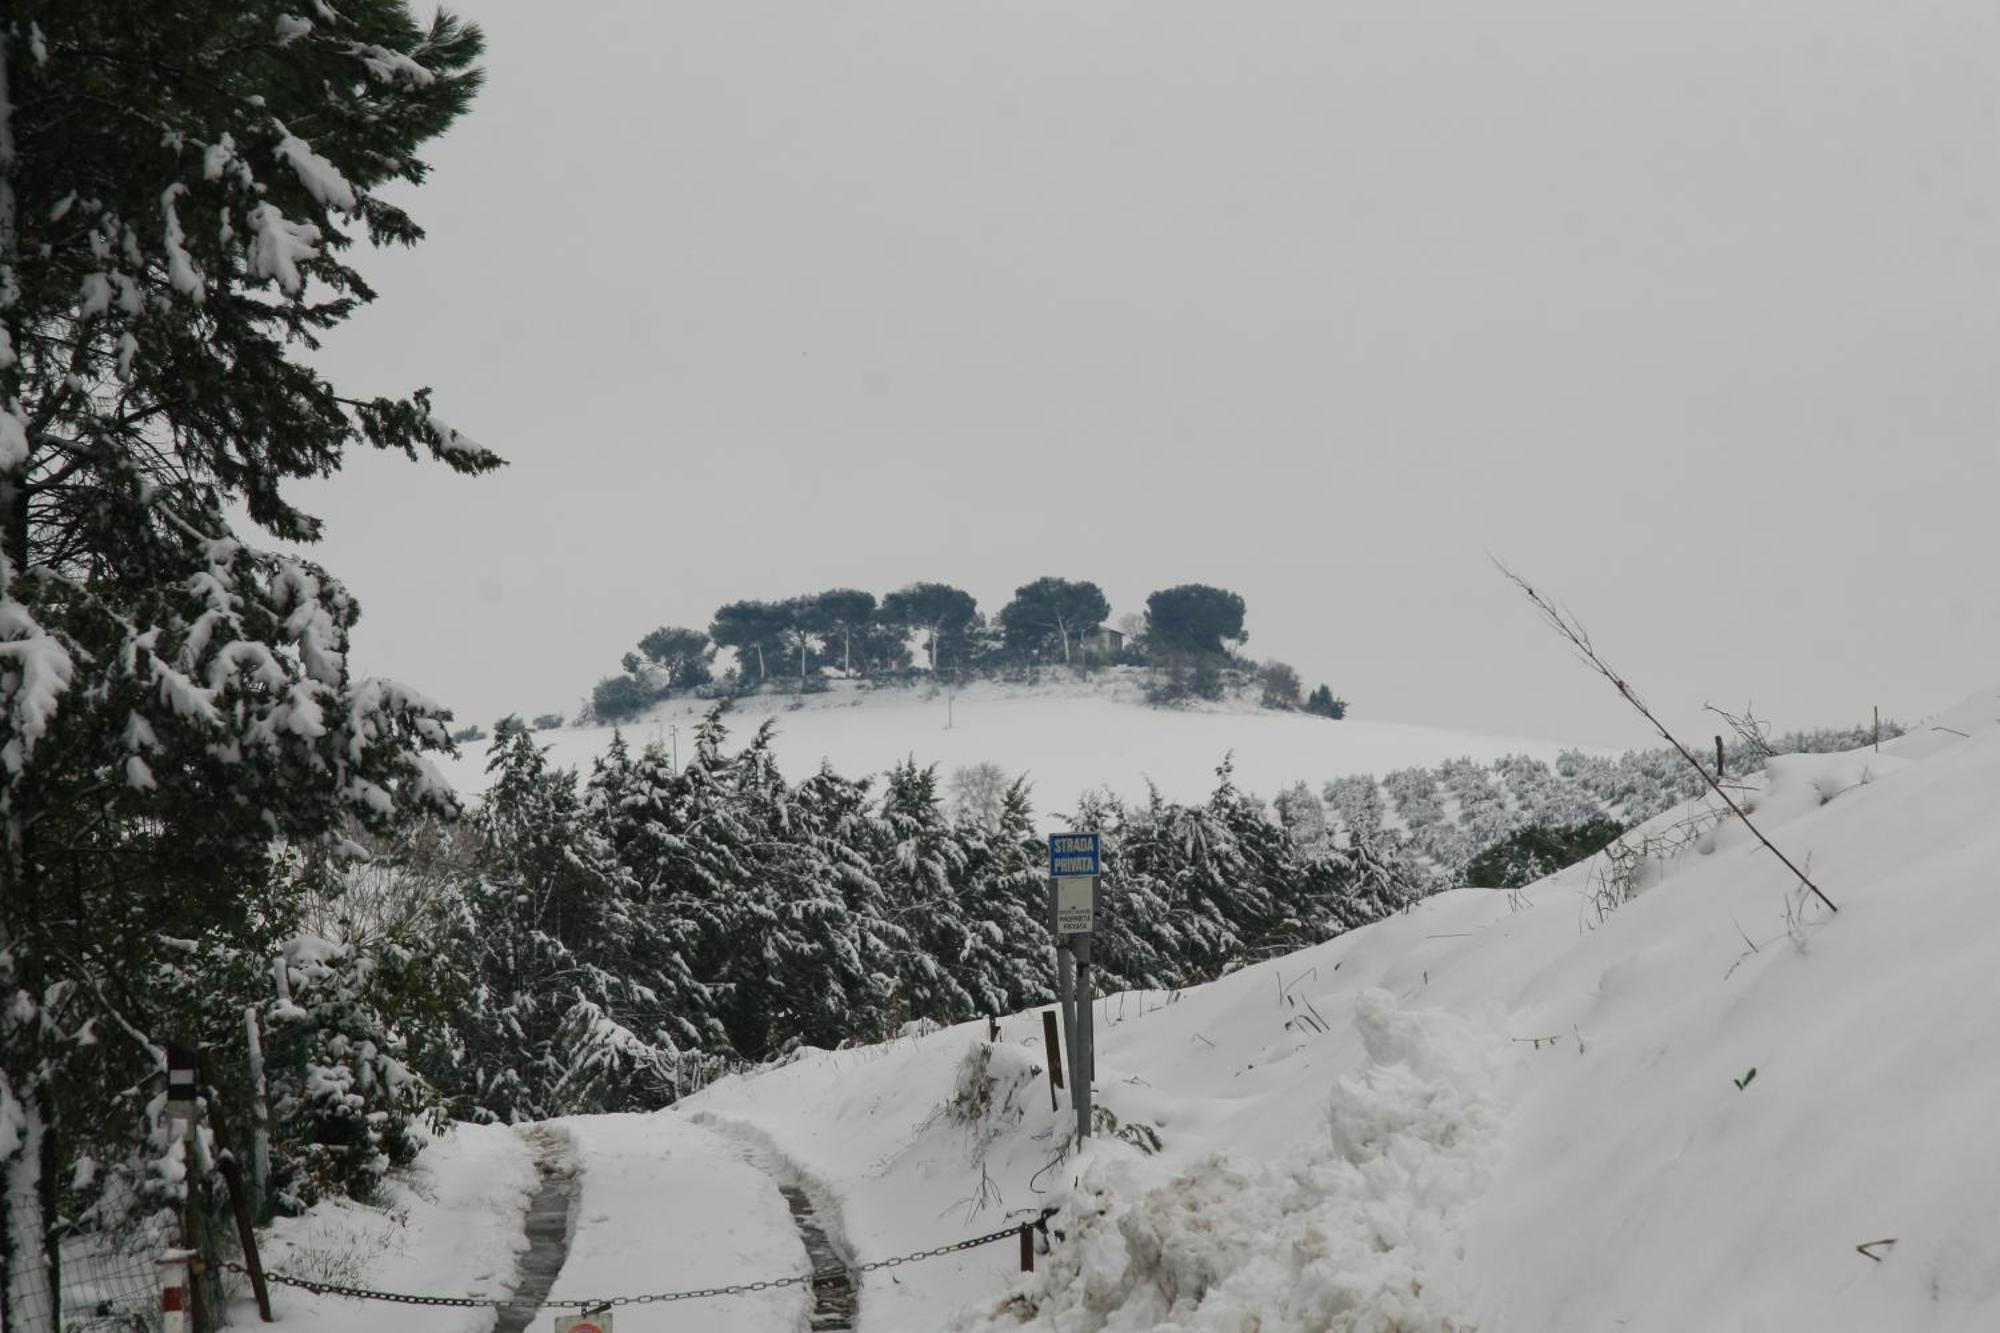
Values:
[(1189, 640)]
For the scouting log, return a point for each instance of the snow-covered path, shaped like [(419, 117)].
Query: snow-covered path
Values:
[(662, 1204), (668, 1205)]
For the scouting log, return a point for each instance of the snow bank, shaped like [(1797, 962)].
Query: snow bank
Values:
[(1356, 1233)]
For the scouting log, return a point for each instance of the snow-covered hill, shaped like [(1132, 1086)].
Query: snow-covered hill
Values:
[(1502, 1112), (1658, 1093), (1066, 738)]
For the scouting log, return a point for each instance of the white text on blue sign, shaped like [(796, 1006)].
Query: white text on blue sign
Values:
[(1073, 854)]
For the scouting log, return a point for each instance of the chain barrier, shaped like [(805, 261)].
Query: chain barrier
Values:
[(599, 1303)]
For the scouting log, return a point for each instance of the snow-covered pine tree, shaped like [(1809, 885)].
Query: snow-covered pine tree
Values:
[(343, 1100), (922, 878), (1004, 902), (1218, 907), (636, 1006), (525, 888), (1144, 938), (587, 999), (800, 973), (835, 816), (178, 185)]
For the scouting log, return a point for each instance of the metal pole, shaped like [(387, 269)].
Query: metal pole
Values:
[(1066, 993), (1082, 1068), (1065, 986)]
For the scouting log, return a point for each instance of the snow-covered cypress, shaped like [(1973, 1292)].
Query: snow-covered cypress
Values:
[(179, 190)]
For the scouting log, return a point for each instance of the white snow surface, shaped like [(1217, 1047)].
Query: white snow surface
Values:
[(450, 1226), (668, 1205), (1503, 1112), (1519, 1116), (1067, 738)]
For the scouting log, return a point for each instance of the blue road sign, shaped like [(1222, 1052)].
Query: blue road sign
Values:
[(1074, 855)]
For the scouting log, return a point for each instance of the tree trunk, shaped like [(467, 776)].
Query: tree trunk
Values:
[(7, 214), (46, 1185), (260, 1114)]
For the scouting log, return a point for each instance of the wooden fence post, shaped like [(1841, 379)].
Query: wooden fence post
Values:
[(1054, 1042), (239, 1202)]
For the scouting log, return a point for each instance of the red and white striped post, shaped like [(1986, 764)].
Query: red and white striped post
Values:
[(174, 1291), (179, 1300)]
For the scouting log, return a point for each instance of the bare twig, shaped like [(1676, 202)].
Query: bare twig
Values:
[(1567, 625), (1754, 734)]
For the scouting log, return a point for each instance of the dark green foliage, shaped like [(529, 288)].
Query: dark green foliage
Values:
[(1182, 676), (1281, 685), (1048, 617), (843, 616), (804, 621), (1194, 619), (756, 630), (681, 656), (619, 698), (1321, 703), (937, 612), (1535, 852), (182, 189), (1186, 639)]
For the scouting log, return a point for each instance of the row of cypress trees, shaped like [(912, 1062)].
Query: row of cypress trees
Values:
[(615, 935)]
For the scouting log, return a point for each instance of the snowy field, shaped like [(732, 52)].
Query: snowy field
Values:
[(1519, 1113), (1066, 738)]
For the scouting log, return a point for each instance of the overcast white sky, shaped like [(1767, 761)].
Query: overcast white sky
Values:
[(1690, 311)]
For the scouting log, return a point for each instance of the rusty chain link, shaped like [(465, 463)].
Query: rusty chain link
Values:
[(609, 1302)]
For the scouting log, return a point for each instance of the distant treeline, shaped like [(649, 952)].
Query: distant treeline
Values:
[(1453, 817), (1190, 635)]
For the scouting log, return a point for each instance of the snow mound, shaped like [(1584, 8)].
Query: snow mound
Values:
[(1357, 1234)]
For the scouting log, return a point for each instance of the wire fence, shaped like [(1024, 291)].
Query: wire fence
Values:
[(108, 1283), (102, 1284)]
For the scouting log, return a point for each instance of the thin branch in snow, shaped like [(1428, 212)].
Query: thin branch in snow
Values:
[(1564, 623)]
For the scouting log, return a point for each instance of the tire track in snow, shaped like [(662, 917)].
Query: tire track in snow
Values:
[(550, 1224), (836, 1299)]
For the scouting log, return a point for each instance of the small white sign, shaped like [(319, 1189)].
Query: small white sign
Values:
[(589, 1323), (1076, 905)]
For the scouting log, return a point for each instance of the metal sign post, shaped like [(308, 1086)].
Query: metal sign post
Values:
[(1065, 983), (1075, 862)]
